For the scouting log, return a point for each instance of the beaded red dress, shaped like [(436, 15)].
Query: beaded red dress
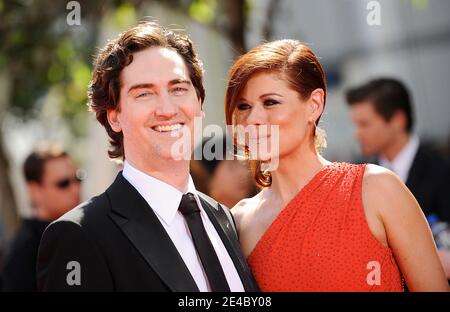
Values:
[(321, 240)]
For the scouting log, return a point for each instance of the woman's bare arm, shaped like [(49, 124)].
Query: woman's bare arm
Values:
[(407, 230)]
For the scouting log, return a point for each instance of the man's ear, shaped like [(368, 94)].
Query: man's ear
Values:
[(201, 106), (399, 120), (34, 190), (113, 119), (317, 103)]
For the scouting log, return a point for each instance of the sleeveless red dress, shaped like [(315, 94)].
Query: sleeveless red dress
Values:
[(321, 240)]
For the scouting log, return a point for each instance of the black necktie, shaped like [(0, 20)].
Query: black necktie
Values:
[(210, 261)]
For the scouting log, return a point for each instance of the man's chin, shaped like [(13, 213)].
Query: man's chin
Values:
[(174, 156)]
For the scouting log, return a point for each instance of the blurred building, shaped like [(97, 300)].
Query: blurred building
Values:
[(412, 44)]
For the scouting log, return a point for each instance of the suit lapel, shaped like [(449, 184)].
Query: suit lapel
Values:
[(228, 236), (141, 226)]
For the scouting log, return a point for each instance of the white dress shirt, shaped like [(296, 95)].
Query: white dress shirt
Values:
[(402, 163), (165, 199)]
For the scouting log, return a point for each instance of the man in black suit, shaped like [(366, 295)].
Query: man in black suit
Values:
[(150, 230), (383, 116), (54, 188)]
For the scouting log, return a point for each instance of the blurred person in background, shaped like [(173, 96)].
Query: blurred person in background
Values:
[(231, 182), (226, 180), (53, 188), (382, 113)]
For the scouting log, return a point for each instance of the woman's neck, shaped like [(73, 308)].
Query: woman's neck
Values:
[(294, 172)]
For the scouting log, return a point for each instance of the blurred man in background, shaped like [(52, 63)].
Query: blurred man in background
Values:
[(54, 189), (226, 180), (231, 182), (382, 113)]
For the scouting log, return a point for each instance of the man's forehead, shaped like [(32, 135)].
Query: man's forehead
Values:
[(55, 165), (366, 106), (154, 65)]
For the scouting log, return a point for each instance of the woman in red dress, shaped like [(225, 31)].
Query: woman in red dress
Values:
[(318, 225)]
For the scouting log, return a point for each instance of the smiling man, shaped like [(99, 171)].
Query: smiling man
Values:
[(150, 230)]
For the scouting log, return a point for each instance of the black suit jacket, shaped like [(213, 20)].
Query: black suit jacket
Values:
[(429, 182), (120, 245)]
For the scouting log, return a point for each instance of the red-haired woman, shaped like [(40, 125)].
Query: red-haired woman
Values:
[(318, 225)]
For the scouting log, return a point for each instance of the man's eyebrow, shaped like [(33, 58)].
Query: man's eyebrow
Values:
[(141, 86), (177, 81), (151, 85)]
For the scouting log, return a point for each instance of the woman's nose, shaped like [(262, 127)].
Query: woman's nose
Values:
[(257, 116)]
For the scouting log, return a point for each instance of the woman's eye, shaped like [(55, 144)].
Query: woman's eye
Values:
[(270, 102), (243, 106)]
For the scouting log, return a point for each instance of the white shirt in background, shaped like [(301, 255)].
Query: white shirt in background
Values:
[(402, 163)]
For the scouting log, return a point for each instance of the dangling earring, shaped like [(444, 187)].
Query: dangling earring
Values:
[(265, 168), (239, 140), (320, 138), (239, 151)]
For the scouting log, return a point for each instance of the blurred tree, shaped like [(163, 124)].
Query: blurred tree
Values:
[(270, 14), (40, 51), (228, 18)]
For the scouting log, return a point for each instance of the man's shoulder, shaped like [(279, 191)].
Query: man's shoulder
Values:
[(429, 158), (27, 229), (87, 213), (89, 221), (25, 241)]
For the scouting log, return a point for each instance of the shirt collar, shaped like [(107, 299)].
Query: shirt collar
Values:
[(163, 198), (402, 163)]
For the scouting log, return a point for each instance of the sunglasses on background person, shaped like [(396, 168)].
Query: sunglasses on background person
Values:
[(65, 183)]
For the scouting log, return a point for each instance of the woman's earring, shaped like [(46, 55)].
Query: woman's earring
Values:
[(265, 168), (320, 138), (240, 151)]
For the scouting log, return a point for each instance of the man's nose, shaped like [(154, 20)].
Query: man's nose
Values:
[(76, 190), (76, 187), (166, 107), (358, 133)]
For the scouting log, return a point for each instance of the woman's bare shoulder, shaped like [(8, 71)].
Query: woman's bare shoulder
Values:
[(378, 180), (384, 190), (245, 207)]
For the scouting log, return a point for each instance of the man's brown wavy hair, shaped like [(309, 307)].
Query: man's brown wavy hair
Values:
[(104, 88)]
